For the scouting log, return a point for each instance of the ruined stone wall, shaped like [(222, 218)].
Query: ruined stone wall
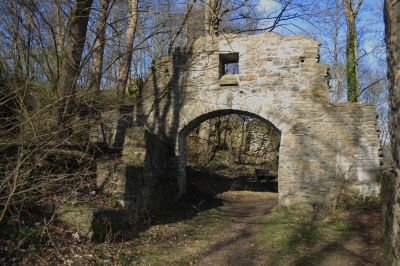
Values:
[(109, 129), (280, 81), (341, 142), (105, 128), (264, 144), (140, 182)]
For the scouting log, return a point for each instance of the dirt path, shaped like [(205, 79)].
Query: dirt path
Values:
[(236, 243)]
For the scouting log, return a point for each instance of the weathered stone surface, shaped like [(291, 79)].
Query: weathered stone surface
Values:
[(318, 139), (80, 218), (95, 223), (141, 183), (110, 127), (229, 80), (105, 130), (320, 142), (111, 179)]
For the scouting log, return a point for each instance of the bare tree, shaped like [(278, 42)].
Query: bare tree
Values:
[(184, 24), (351, 11), (126, 60), (71, 67), (212, 13), (228, 16), (336, 61), (99, 45)]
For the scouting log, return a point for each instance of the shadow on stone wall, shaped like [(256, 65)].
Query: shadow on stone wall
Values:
[(318, 138), (318, 154)]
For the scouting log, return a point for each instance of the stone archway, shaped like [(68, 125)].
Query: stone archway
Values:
[(191, 125), (279, 80)]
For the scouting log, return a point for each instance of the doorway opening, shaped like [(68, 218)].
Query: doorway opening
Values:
[(224, 153)]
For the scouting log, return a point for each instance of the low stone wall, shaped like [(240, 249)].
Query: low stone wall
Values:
[(141, 182), (110, 127)]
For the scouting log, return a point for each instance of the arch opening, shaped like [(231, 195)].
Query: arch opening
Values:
[(222, 151)]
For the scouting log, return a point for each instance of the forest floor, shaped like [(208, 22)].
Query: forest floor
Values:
[(252, 233), (222, 220)]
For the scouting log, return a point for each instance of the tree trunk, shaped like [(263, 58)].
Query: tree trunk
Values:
[(204, 135), (393, 45), (70, 70), (126, 60), (211, 17), (351, 49), (189, 8), (390, 196), (99, 45), (336, 63)]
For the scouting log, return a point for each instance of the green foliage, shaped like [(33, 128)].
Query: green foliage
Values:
[(30, 235), (114, 202), (351, 70), (122, 259), (26, 231), (134, 86), (385, 250), (296, 235)]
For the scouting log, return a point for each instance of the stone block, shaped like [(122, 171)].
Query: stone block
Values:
[(80, 218), (93, 222), (111, 179), (229, 80), (248, 77), (109, 129)]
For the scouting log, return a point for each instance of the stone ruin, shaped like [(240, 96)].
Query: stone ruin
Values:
[(280, 81)]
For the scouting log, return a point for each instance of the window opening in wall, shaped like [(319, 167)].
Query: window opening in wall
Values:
[(228, 69), (229, 64)]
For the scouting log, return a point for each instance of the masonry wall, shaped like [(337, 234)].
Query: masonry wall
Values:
[(110, 127), (263, 144), (140, 182), (280, 81)]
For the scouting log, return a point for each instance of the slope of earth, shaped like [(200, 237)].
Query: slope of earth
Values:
[(253, 235), (221, 220)]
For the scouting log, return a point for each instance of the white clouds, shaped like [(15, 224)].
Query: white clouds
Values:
[(268, 5), (369, 46)]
